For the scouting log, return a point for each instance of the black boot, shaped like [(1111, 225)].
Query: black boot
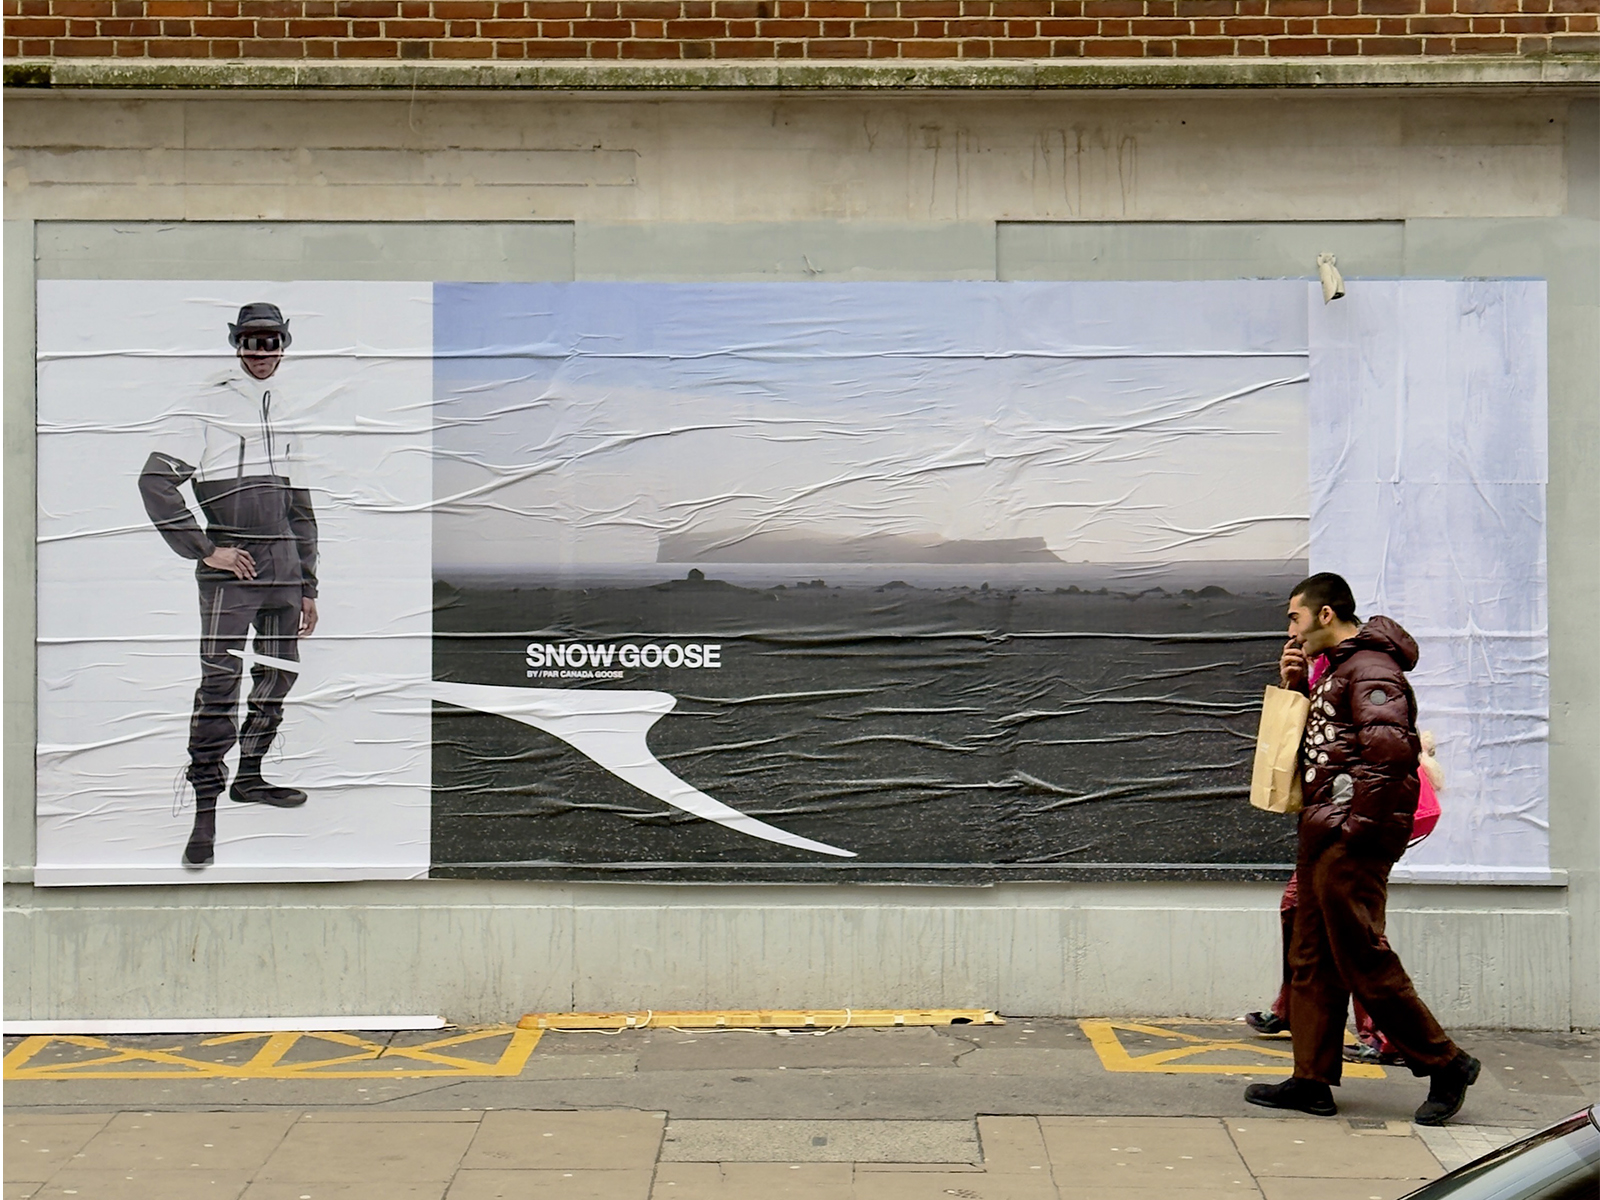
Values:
[(1301, 1095), (201, 849), (249, 788), (1448, 1089)]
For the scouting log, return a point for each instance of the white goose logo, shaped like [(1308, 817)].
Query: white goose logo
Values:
[(606, 726)]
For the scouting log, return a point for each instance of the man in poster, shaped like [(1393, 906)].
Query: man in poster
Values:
[(255, 563)]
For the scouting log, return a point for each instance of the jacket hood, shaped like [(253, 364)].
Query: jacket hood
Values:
[(1380, 633)]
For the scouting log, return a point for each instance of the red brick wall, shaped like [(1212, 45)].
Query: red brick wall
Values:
[(815, 29)]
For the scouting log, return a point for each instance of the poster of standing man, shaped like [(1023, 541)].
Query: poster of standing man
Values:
[(263, 449), (256, 564)]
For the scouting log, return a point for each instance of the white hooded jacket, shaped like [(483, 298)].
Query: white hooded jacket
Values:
[(240, 452)]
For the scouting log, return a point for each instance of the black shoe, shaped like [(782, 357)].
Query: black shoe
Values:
[(200, 852), (1299, 1095), (1448, 1089), (252, 789), (202, 839), (1266, 1023)]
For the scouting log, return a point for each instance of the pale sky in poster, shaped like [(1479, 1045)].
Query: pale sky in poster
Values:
[(1122, 422)]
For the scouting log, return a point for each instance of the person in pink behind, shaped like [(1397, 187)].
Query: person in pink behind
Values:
[(1371, 1046)]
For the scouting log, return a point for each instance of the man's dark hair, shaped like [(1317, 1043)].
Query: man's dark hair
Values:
[(1326, 589)]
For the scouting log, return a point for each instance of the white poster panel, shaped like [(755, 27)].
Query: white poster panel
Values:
[(427, 480), (132, 369), (1428, 472)]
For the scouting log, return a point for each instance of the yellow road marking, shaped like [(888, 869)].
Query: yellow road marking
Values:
[(790, 1018), (267, 1062), (1114, 1056)]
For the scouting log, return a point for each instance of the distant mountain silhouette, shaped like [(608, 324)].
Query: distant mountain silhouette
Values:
[(730, 546)]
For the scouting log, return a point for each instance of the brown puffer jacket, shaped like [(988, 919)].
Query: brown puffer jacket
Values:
[(1358, 759)]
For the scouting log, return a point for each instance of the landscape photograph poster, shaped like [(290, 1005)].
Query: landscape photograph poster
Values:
[(920, 583)]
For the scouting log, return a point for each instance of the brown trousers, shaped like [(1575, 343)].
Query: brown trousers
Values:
[(1338, 949)]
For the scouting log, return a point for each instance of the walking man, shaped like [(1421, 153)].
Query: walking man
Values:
[(1358, 763), (255, 563)]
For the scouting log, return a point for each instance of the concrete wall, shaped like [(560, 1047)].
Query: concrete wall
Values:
[(904, 159), (484, 952), (780, 187)]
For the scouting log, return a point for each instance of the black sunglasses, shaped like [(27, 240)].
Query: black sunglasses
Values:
[(257, 343)]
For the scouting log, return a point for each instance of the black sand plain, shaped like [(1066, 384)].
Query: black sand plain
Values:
[(955, 734)]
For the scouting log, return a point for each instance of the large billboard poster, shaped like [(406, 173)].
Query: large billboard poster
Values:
[(760, 582)]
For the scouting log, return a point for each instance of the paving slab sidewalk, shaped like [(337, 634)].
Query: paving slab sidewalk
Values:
[(1025, 1111), (628, 1155)]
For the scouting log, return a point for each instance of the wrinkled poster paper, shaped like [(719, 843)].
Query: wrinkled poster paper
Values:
[(899, 582)]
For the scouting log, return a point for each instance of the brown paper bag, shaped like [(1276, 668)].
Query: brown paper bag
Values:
[(1275, 779)]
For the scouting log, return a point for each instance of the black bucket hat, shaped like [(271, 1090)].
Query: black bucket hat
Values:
[(259, 317)]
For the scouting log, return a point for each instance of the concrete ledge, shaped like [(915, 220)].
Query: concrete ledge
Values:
[(486, 952), (1562, 71)]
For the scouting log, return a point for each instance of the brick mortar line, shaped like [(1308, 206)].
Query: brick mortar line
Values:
[(1457, 72), (1367, 37)]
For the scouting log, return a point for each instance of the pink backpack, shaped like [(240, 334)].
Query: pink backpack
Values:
[(1430, 779), (1430, 776)]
